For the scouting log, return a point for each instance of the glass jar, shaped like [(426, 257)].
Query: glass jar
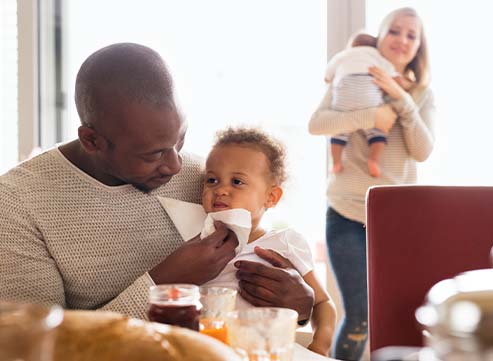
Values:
[(263, 333), (175, 304), (457, 318), (216, 303)]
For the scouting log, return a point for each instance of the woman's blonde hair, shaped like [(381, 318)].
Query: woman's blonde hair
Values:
[(418, 69)]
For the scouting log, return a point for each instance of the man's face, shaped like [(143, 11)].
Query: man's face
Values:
[(146, 144)]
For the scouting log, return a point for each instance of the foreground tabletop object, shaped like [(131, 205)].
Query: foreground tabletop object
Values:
[(457, 317), (106, 336)]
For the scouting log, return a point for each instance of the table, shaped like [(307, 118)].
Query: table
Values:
[(303, 354)]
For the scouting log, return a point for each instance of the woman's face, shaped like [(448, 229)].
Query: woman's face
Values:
[(401, 43)]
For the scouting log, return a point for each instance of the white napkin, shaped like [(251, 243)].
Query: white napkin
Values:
[(190, 219)]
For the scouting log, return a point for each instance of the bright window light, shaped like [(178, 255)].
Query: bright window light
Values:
[(460, 55), (234, 62)]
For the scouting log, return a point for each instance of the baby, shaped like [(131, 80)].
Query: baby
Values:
[(352, 89), (245, 169)]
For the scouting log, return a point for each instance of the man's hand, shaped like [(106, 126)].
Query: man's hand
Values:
[(198, 261), (274, 286)]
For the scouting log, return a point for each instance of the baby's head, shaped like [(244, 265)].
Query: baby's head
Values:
[(362, 39), (245, 169)]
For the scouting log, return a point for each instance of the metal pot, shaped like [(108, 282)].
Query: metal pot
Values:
[(457, 318)]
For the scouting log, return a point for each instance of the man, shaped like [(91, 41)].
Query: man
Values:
[(80, 225)]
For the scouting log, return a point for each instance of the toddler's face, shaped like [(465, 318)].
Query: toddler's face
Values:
[(237, 177)]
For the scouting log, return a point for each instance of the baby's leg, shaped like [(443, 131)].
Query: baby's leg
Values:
[(337, 145), (376, 141), (376, 150)]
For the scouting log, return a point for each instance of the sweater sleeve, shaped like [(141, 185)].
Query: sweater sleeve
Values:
[(133, 300), (326, 121), (27, 271), (417, 123)]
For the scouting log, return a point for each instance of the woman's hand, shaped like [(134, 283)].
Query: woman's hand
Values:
[(385, 118), (386, 83)]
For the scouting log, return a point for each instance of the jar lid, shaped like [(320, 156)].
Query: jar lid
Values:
[(461, 306), (174, 293)]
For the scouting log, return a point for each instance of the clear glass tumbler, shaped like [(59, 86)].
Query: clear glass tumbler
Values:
[(216, 303), (263, 333), (27, 331)]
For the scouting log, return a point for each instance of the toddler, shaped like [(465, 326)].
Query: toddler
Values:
[(352, 89), (245, 169)]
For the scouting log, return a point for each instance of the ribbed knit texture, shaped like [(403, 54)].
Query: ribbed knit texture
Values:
[(410, 139), (66, 238), (355, 92)]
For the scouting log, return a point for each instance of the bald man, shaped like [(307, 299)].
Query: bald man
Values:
[(80, 224)]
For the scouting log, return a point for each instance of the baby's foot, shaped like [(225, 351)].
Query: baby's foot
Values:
[(337, 168), (373, 168)]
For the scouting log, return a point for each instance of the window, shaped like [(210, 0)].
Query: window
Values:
[(460, 58), (233, 62)]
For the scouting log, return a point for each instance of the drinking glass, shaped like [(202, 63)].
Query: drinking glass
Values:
[(263, 333), (175, 304), (27, 331), (216, 303)]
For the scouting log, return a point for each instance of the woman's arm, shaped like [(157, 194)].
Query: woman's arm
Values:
[(417, 123), (323, 317), (416, 118), (326, 121)]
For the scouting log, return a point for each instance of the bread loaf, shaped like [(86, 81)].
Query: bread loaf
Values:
[(107, 336)]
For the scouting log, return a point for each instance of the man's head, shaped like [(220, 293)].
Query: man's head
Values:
[(131, 128)]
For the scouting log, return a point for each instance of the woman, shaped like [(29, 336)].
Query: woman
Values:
[(408, 120)]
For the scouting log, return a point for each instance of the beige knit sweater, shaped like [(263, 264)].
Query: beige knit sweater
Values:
[(66, 238), (409, 141)]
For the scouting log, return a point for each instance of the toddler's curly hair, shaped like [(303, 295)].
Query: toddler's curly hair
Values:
[(257, 139)]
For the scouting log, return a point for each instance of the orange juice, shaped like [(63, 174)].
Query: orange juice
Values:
[(271, 357), (214, 328)]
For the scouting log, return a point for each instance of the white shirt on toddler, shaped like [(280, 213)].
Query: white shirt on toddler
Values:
[(287, 242)]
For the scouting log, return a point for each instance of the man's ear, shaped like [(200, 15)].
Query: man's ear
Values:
[(275, 194), (89, 139)]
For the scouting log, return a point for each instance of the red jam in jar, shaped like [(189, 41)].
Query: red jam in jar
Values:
[(175, 304)]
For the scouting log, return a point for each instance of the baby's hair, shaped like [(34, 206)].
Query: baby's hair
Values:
[(259, 140), (363, 39)]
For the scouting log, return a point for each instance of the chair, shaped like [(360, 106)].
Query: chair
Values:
[(417, 236)]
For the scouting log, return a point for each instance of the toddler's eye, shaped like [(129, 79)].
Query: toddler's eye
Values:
[(237, 182), (211, 181)]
